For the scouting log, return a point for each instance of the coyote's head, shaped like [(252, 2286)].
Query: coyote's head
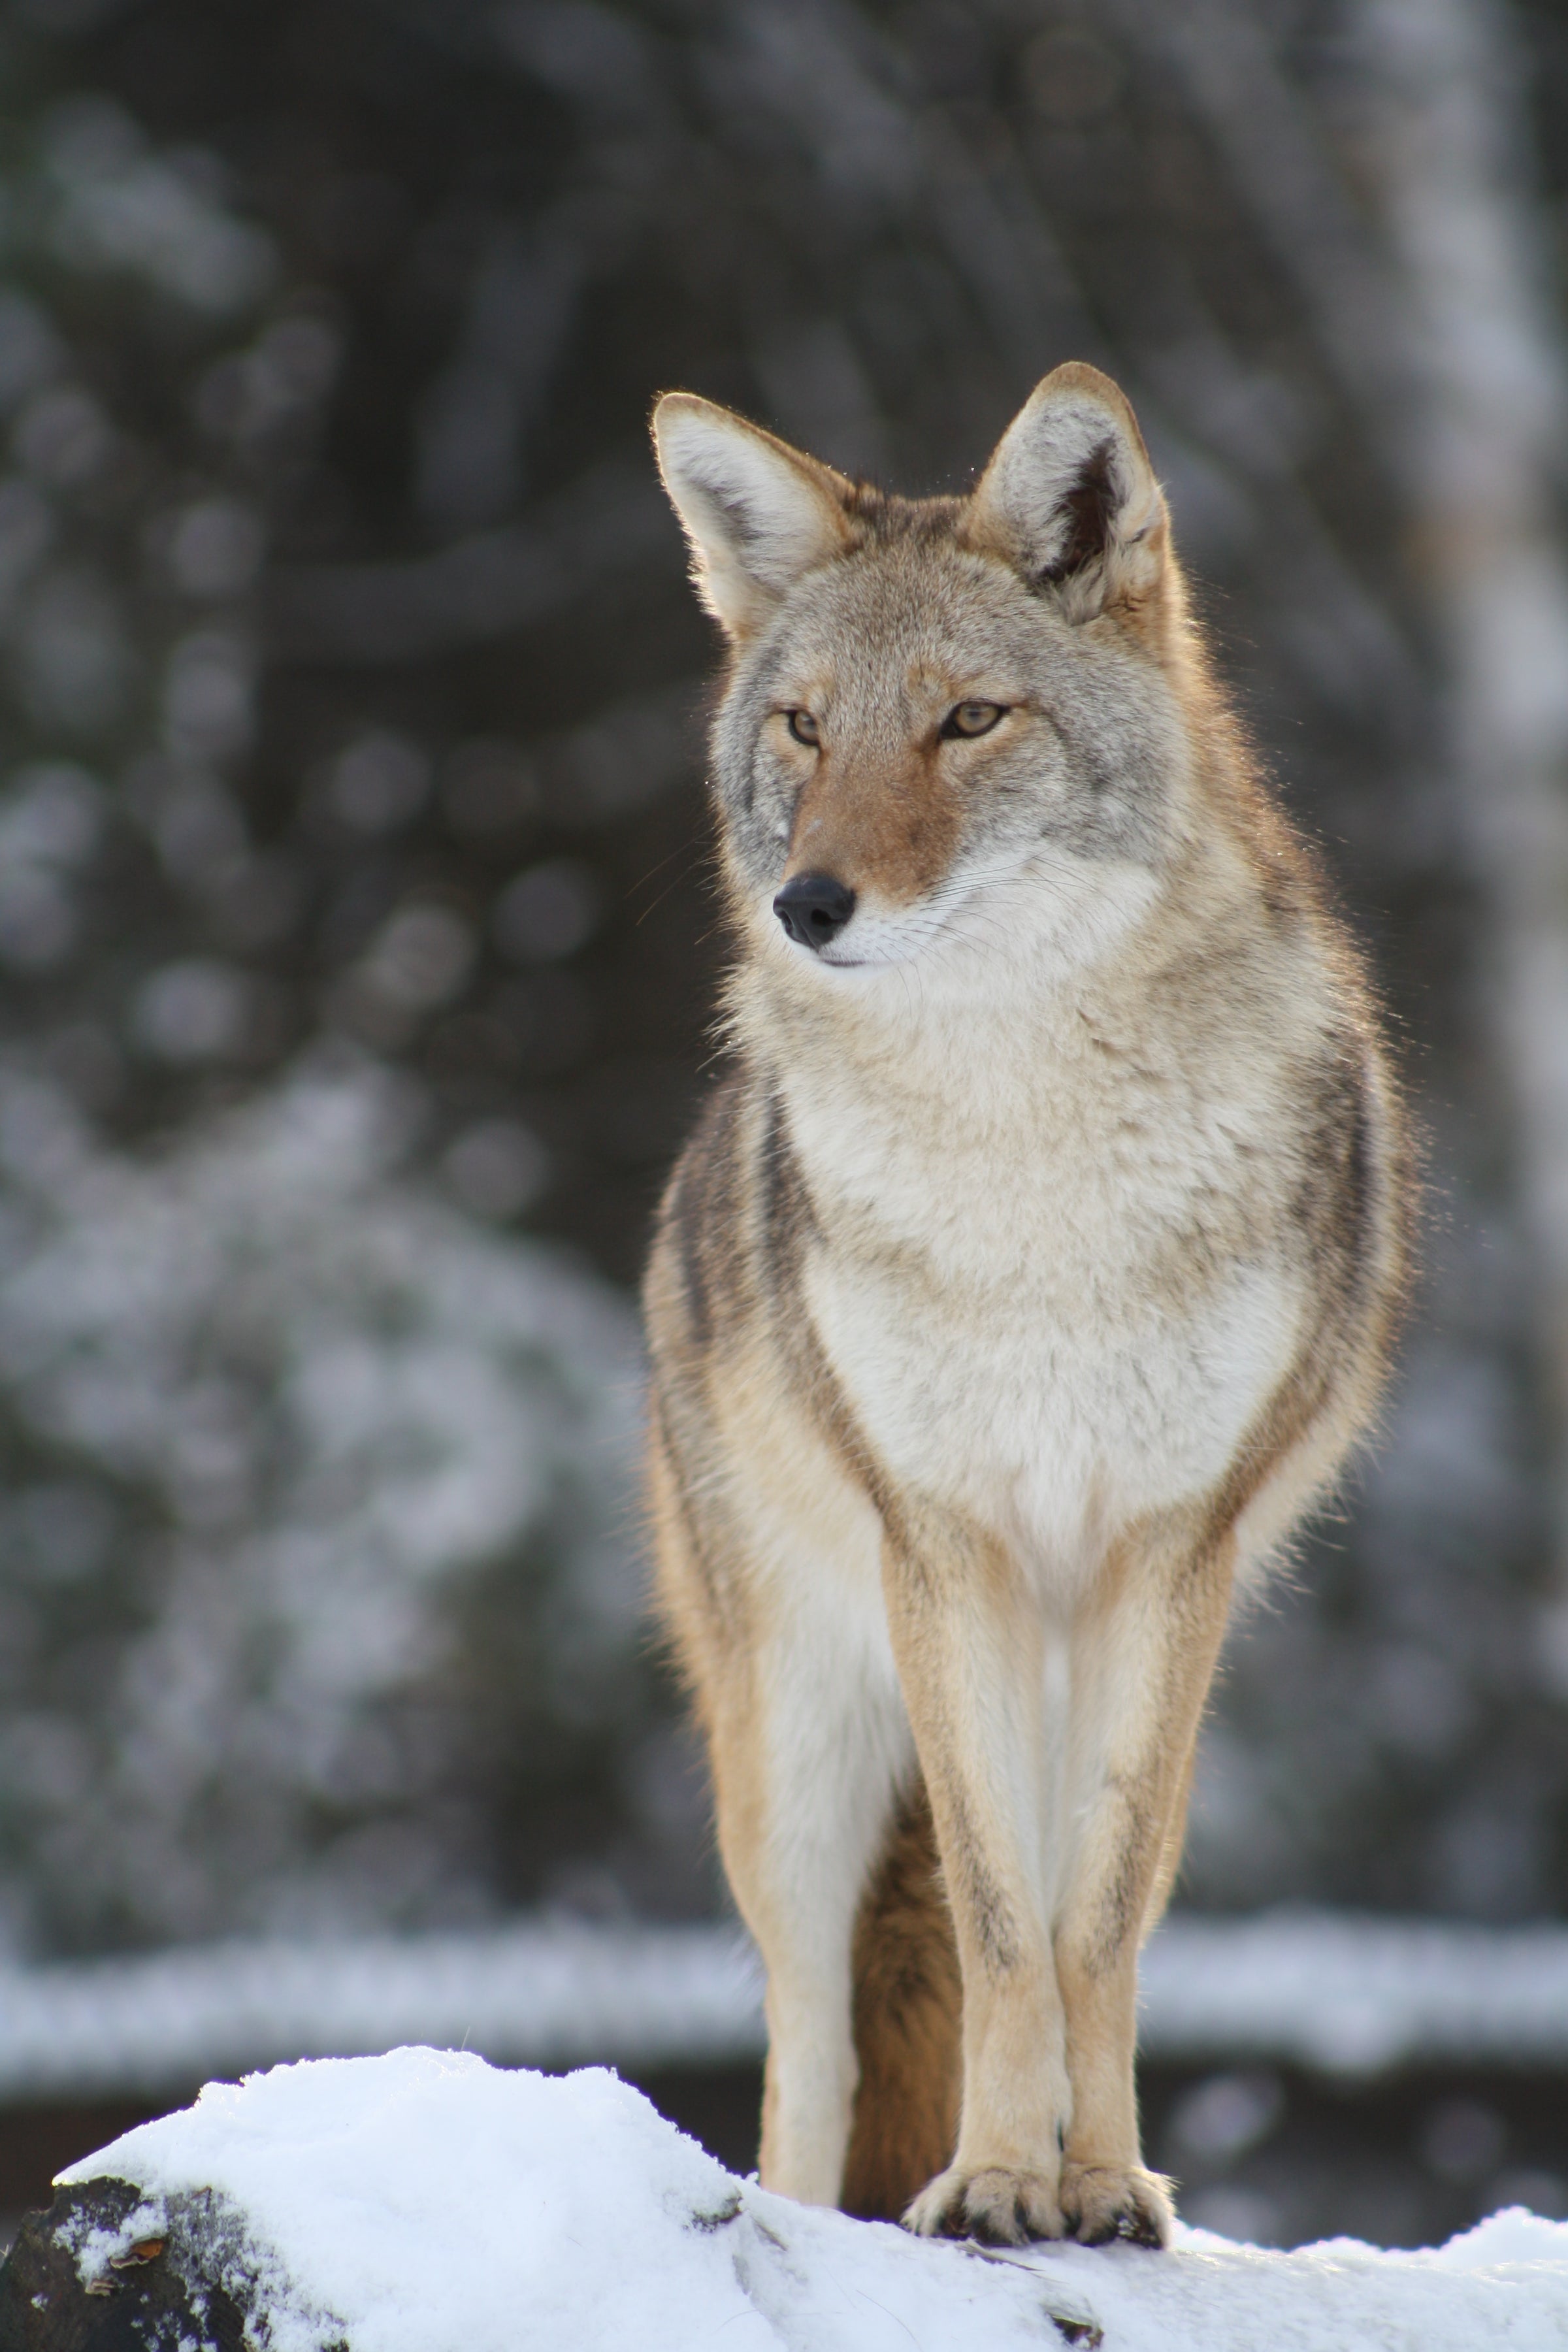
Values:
[(948, 721)]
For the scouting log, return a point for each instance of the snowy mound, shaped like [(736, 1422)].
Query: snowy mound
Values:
[(426, 2203)]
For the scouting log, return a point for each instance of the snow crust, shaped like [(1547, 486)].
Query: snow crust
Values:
[(424, 2202), (1334, 1992)]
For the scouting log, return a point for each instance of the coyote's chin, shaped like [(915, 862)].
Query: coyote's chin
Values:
[(1029, 1275)]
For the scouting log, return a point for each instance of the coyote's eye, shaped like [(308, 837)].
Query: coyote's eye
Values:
[(802, 727), (970, 718)]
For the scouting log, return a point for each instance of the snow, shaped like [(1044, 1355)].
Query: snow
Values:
[(1446, 127), (1354, 1995), (424, 2202), (297, 1414), (119, 206), (1337, 1994), (554, 1991)]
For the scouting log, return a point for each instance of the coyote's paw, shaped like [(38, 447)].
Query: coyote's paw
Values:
[(998, 2205), (1102, 2201)]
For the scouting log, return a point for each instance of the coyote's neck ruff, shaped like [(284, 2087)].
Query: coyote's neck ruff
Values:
[(1032, 1271)]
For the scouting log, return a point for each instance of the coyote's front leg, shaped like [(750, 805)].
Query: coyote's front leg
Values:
[(969, 1652), (808, 1748), (1049, 1944), (1144, 1652)]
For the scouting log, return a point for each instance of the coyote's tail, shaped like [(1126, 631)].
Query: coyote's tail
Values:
[(907, 2012)]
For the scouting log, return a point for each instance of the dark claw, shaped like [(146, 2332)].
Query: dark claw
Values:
[(1139, 2229), (985, 2232), (1130, 2226)]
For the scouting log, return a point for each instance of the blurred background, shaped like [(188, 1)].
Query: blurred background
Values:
[(356, 923)]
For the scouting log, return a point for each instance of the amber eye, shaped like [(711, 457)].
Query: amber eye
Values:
[(802, 727), (971, 719)]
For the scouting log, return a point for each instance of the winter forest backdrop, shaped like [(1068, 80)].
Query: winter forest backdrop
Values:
[(355, 916)]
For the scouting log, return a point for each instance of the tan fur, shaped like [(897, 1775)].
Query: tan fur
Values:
[(1029, 1275)]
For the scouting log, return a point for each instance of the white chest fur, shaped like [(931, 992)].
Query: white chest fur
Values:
[(1056, 1281)]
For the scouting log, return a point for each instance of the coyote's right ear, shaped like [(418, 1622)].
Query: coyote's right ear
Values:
[(756, 513), (1070, 498)]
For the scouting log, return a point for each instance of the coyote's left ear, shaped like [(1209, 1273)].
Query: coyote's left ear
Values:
[(757, 514), (1069, 495)]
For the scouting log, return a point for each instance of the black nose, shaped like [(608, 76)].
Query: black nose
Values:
[(813, 907)]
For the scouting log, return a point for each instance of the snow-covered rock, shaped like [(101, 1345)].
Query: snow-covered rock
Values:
[(426, 2203)]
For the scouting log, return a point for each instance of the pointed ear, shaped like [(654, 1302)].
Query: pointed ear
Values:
[(1070, 498), (757, 514)]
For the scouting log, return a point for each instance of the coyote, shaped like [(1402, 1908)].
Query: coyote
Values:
[(1034, 1267)]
